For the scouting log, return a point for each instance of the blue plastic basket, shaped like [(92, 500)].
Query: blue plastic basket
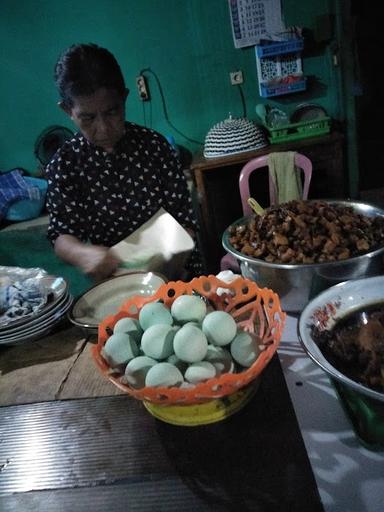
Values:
[(279, 48), (26, 209), (267, 90)]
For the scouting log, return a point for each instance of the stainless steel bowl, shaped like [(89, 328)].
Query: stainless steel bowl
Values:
[(297, 284)]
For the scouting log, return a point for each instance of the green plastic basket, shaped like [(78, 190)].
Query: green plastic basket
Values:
[(302, 130)]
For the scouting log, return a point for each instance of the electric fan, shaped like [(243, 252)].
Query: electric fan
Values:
[(49, 141)]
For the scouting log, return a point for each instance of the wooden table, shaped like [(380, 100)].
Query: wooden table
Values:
[(58, 367), (71, 441)]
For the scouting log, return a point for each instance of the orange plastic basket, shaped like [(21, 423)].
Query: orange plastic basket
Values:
[(255, 310)]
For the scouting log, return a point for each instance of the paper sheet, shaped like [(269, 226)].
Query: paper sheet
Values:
[(252, 20), (160, 244)]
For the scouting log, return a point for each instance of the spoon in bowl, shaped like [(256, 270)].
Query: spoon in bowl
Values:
[(255, 206)]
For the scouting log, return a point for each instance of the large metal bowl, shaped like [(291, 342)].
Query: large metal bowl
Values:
[(325, 310), (297, 284)]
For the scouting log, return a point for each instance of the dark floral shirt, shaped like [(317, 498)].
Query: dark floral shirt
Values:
[(103, 197)]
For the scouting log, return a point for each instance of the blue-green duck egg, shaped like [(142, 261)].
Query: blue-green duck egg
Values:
[(244, 349), (137, 369), (129, 326), (154, 313), (220, 358), (198, 372), (190, 344), (119, 349), (164, 374), (219, 327), (196, 324), (188, 308), (157, 341), (181, 365)]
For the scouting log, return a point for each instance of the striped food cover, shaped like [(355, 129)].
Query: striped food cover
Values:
[(234, 136)]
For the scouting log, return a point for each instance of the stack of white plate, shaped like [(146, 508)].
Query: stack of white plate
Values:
[(35, 325)]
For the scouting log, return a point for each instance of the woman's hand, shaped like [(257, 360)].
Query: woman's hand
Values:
[(97, 261)]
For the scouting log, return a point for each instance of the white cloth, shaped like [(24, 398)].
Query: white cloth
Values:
[(161, 244)]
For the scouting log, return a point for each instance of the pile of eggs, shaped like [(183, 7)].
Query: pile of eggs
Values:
[(180, 346)]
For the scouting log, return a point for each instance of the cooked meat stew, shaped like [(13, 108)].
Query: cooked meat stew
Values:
[(307, 232), (355, 346)]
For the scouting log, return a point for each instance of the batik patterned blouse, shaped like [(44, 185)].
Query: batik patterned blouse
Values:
[(103, 197)]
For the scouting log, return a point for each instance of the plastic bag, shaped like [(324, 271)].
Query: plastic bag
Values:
[(21, 293)]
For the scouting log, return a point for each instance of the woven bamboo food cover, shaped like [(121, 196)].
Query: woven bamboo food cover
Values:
[(256, 310)]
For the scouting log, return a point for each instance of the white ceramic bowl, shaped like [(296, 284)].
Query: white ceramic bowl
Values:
[(105, 298), (327, 308)]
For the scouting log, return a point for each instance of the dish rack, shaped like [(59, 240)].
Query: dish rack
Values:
[(279, 67), (301, 130)]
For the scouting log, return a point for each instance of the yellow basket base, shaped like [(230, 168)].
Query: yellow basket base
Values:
[(202, 414)]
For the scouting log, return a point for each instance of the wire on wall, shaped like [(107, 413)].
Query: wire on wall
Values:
[(242, 100), (147, 123), (144, 116), (165, 111)]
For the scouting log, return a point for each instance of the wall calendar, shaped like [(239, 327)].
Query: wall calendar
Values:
[(253, 20)]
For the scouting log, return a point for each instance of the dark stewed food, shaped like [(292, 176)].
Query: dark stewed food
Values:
[(355, 346), (305, 232)]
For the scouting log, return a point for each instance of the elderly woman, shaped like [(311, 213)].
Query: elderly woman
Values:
[(113, 175)]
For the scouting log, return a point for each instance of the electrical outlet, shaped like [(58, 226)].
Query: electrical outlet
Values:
[(236, 77), (142, 88)]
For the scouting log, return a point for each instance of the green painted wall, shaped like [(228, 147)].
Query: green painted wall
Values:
[(187, 43)]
